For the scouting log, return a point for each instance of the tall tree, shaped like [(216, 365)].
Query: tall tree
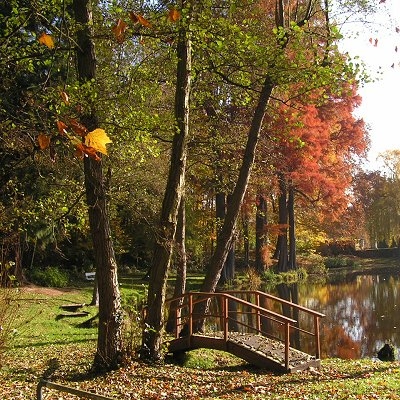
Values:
[(109, 342), (152, 334)]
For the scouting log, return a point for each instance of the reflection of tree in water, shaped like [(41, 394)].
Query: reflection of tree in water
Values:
[(338, 344), (361, 314)]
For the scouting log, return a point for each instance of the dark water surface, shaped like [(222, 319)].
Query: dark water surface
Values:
[(362, 312)]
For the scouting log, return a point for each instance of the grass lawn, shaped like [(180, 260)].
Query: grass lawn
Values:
[(44, 345)]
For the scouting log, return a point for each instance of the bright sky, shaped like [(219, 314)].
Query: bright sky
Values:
[(380, 108)]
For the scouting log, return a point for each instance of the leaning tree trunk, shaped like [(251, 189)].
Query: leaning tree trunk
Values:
[(154, 322), (226, 236), (109, 341)]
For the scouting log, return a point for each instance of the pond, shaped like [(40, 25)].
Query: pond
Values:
[(362, 312)]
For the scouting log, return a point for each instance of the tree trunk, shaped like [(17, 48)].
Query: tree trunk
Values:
[(154, 322), (261, 217), (292, 230), (181, 263), (109, 342), (226, 236), (282, 244), (228, 271), (246, 242)]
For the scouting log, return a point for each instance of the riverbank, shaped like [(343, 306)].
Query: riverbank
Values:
[(362, 266), (44, 345)]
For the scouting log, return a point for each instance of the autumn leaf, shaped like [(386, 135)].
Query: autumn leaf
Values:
[(173, 15), (119, 30), (47, 40), (98, 140), (44, 141), (77, 127), (137, 18), (62, 128)]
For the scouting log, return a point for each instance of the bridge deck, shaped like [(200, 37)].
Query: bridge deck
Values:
[(257, 350), (261, 335)]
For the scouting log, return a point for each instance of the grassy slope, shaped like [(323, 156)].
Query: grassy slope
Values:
[(63, 352)]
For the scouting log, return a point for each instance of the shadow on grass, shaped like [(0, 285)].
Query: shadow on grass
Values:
[(57, 342)]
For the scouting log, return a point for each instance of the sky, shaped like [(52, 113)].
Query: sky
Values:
[(380, 107)]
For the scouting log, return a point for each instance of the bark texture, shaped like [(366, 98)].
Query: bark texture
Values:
[(109, 342), (154, 322)]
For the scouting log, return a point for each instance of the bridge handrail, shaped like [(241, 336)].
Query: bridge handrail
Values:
[(232, 295), (278, 299), (205, 296)]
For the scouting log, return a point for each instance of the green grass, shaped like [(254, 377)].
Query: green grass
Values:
[(43, 345)]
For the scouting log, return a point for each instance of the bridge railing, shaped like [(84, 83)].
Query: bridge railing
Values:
[(260, 298), (193, 309)]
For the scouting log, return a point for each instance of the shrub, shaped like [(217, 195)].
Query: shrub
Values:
[(50, 277), (133, 305), (313, 264), (339, 262)]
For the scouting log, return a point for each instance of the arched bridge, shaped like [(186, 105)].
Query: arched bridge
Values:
[(262, 329)]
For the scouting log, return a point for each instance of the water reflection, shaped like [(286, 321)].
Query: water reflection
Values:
[(361, 313)]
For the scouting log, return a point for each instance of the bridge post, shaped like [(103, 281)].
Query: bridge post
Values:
[(317, 338), (258, 316), (287, 344), (225, 318), (190, 316)]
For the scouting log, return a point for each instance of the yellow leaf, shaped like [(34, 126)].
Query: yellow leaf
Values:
[(98, 140), (44, 141), (47, 40)]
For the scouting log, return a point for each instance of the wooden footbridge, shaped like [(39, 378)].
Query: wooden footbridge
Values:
[(262, 329)]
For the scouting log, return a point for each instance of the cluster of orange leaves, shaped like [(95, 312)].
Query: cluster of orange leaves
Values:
[(121, 26), (85, 142)]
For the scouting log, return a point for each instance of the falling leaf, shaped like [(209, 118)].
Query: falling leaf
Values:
[(137, 18), (47, 40), (98, 140), (119, 30), (173, 15), (397, 29), (395, 49), (62, 128), (77, 127), (64, 97), (44, 141)]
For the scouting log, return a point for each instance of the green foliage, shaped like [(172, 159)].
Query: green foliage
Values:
[(273, 279), (133, 306), (313, 264), (50, 277), (340, 262)]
